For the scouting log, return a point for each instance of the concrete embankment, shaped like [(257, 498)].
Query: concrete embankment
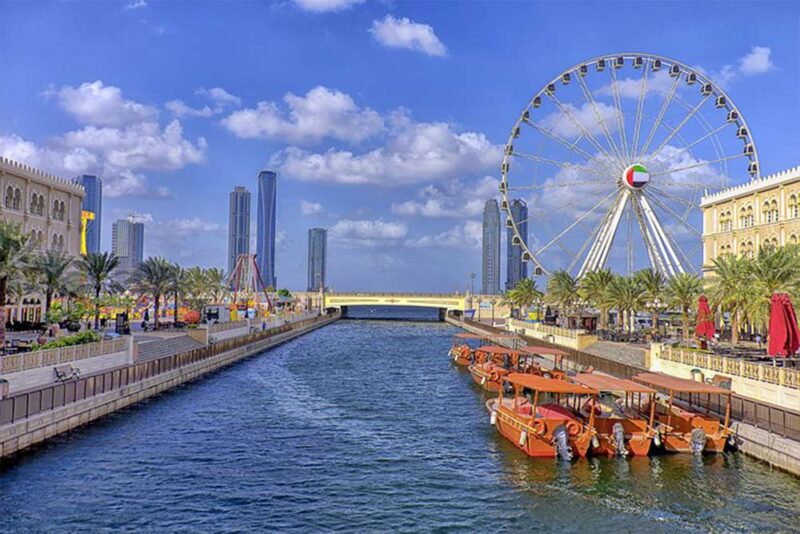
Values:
[(35, 416), (769, 447)]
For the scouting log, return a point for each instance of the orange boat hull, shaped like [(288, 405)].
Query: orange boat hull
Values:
[(484, 380), (637, 437), (538, 441), (679, 438)]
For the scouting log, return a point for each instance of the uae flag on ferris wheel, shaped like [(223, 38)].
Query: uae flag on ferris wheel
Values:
[(637, 176)]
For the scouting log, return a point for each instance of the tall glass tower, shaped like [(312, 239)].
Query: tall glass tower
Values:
[(490, 279), (127, 243), (93, 201), (238, 225), (516, 269), (265, 231), (317, 252)]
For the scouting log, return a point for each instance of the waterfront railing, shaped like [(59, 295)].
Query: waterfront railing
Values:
[(23, 361)]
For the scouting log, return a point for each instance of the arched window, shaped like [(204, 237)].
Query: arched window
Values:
[(9, 202), (750, 217), (793, 211), (63, 210), (793, 239), (17, 199), (766, 213), (775, 213), (61, 242), (40, 237), (34, 203), (54, 245)]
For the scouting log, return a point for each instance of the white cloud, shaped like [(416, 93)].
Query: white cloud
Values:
[(658, 82), (220, 97), (404, 33), (323, 6), (311, 208), (103, 105), (468, 235), (180, 109), (136, 4), (563, 123), (453, 199), (414, 152), (368, 233), (127, 183), (756, 62), (190, 241), (321, 113)]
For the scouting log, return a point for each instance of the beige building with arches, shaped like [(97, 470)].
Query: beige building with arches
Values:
[(740, 219)]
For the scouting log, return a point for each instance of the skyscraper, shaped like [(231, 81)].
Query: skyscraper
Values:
[(317, 252), (127, 243), (93, 201), (516, 268), (490, 280), (265, 231), (238, 225)]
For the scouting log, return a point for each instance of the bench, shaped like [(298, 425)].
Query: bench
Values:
[(66, 372)]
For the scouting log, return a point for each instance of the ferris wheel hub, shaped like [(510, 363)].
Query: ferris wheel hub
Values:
[(636, 176)]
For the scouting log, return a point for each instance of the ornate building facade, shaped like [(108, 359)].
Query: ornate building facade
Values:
[(49, 210), (740, 219)]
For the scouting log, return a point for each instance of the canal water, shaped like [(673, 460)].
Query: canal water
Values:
[(361, 426)]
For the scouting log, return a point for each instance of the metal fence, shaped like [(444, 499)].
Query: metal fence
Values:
[(23, 405), (775, 419)]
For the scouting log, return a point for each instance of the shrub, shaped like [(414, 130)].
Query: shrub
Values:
[(68, 341)]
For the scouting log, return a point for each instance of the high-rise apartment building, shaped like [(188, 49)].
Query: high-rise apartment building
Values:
[(93, 202), (490, 279), (238, 225), (317, 252), (265, 230), (516, 269), (127, 243)]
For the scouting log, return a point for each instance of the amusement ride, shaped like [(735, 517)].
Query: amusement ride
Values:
[(617, 152)]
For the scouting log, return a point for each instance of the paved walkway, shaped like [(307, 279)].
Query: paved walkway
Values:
[(618, 352)]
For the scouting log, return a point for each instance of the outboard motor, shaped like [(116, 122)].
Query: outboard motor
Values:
[(619, 439), (698, 440), (506, 362), (472, 357), (561, 440)]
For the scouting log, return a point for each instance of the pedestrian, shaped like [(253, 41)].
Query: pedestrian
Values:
[(758, 340), (263, 325)]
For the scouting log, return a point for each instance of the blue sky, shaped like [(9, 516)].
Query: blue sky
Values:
[(384, 120)]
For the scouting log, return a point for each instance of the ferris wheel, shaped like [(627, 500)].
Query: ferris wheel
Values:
[(607, 163)]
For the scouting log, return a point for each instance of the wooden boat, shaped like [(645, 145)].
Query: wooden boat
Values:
[(536, 419), (537, 351), (679, 426), (460, 350), (621, 428), (492, 363)]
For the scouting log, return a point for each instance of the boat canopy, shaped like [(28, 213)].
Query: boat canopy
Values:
[(498, 349), (681, 385), (548, 385), (536, 349), (611, 383), (467, 335)]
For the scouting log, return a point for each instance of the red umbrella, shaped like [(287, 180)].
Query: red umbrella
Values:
[(793, 343), (705, 319), (779, 327)]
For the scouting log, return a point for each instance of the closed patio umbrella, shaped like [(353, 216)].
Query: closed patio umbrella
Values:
[(705, 319), (779, 327)]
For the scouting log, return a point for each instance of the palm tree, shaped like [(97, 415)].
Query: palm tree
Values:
[(682, 292), (15, 253), (562, 290), (653, 284), (594, 289), (625, 293), (216, 286), (773, 270), (731, 287), (52, 268), (524, 295), (178, 285), (152, 277), (98, 268), (196, 288)]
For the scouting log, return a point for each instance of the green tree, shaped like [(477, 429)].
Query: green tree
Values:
[(682, 292), (178, 285), (524, 295), (773, 270), (625, 293), (98, 269), (653, 285), (594, 290), (216, 284), (730, 288), (15, 254), (52, 268), (562, 290), (152, 277)]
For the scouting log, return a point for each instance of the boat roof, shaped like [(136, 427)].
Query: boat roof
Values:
[(537, 349), (611, 383), (467, 335), (497, 349), (673, 383), (548, 385)]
